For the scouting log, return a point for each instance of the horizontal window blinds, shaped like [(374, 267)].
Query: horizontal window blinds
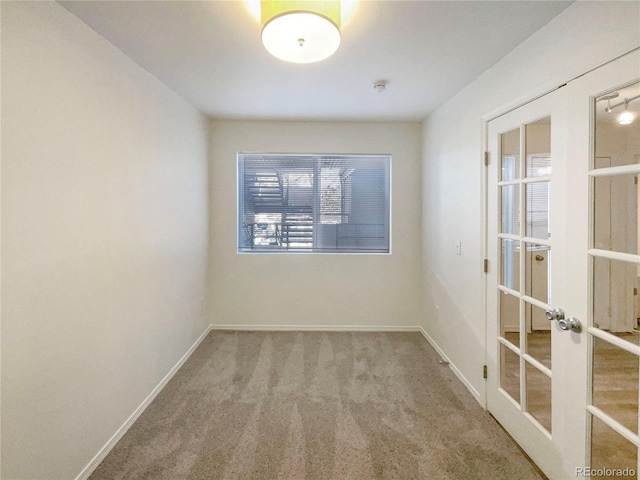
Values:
[(537, 197), (536, 208), (314, 203)]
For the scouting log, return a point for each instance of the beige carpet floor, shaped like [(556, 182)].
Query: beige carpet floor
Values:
[(316, 406)]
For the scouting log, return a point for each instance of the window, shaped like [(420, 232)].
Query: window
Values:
[(314, 203)]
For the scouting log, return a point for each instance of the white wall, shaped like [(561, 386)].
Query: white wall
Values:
[(307, 289), (104, 238), (583, 36)]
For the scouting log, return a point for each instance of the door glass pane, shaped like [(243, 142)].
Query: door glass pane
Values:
[(616, 213), (538, 160), (510, 372), (537, 268), (537, 210), (510, 317), (510, 150), (538, 335), (539, 396), (615, 383), (617, 127), (615, 299), (510, 273), (510, 208), (611, 451)]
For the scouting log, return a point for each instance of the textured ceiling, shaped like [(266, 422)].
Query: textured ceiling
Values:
[(210, 53)]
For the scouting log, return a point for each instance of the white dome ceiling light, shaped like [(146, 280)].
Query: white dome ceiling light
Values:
[(300, 31)]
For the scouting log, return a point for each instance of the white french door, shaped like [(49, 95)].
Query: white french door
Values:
[(563, 243), (526, 250)]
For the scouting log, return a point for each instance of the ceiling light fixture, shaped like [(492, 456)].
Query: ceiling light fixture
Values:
[(627, 116), (608, 98), (300, 31)]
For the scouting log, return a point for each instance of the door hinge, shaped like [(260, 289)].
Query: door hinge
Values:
[(486, 159), (485, 371), (635, 291), (486, 265)]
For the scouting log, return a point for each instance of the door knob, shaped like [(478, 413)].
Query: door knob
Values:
[(571, 323), (555, 314)]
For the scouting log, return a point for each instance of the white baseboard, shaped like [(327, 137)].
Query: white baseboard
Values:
[(104, 451), (453, 368), (318, 328)]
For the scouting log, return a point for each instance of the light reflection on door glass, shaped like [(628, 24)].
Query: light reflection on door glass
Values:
[(510, 274), (617, 127), (538, 146), (537, 210), (510, 150), (510, 372), (510, 207), (537, 270)]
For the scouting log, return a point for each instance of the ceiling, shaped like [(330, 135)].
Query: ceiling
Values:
[(210, 53)]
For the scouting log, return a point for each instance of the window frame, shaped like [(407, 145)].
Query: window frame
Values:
[(240, 158)]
